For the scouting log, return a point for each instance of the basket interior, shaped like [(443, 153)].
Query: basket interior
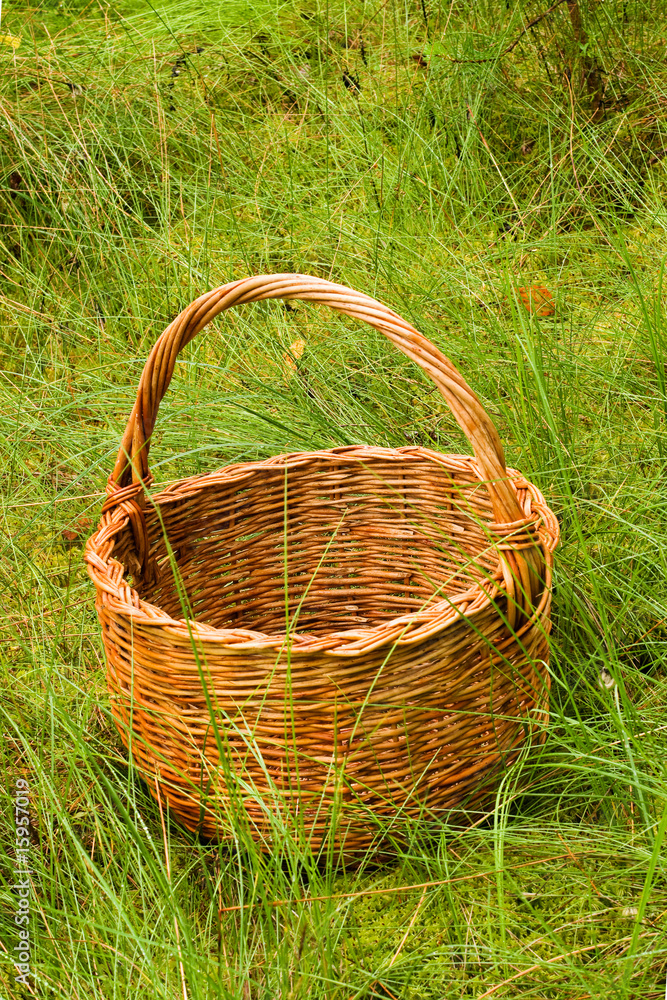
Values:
[(358, 542)]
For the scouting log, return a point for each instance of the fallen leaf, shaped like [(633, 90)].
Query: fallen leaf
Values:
[(296, 350), (538, 300), (79, 528), (11, 40)]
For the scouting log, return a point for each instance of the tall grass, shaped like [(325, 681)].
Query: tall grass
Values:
[(148, 153)]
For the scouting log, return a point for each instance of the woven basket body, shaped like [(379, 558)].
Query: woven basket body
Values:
[(328, 642)]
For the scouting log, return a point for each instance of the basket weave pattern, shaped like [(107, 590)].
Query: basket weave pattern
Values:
[(322, 640)]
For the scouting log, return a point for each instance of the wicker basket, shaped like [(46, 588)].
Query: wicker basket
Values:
[(417, 591)]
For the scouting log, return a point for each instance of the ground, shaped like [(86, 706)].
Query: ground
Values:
[(495, 173)]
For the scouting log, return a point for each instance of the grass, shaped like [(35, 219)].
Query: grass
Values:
[(149, 153)]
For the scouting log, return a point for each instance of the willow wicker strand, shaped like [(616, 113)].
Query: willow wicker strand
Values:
[(417, 596)]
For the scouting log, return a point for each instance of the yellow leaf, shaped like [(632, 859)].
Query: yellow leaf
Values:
[(296, 350), (10, 40)]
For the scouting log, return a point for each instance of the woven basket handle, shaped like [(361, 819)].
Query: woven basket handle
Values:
[(131, 474)]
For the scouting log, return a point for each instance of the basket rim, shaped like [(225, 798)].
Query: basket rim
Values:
[(110, 576)]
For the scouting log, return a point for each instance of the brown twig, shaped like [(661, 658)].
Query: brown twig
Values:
[(591, 75), (513, 45), (549, 961), (403, 888)]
